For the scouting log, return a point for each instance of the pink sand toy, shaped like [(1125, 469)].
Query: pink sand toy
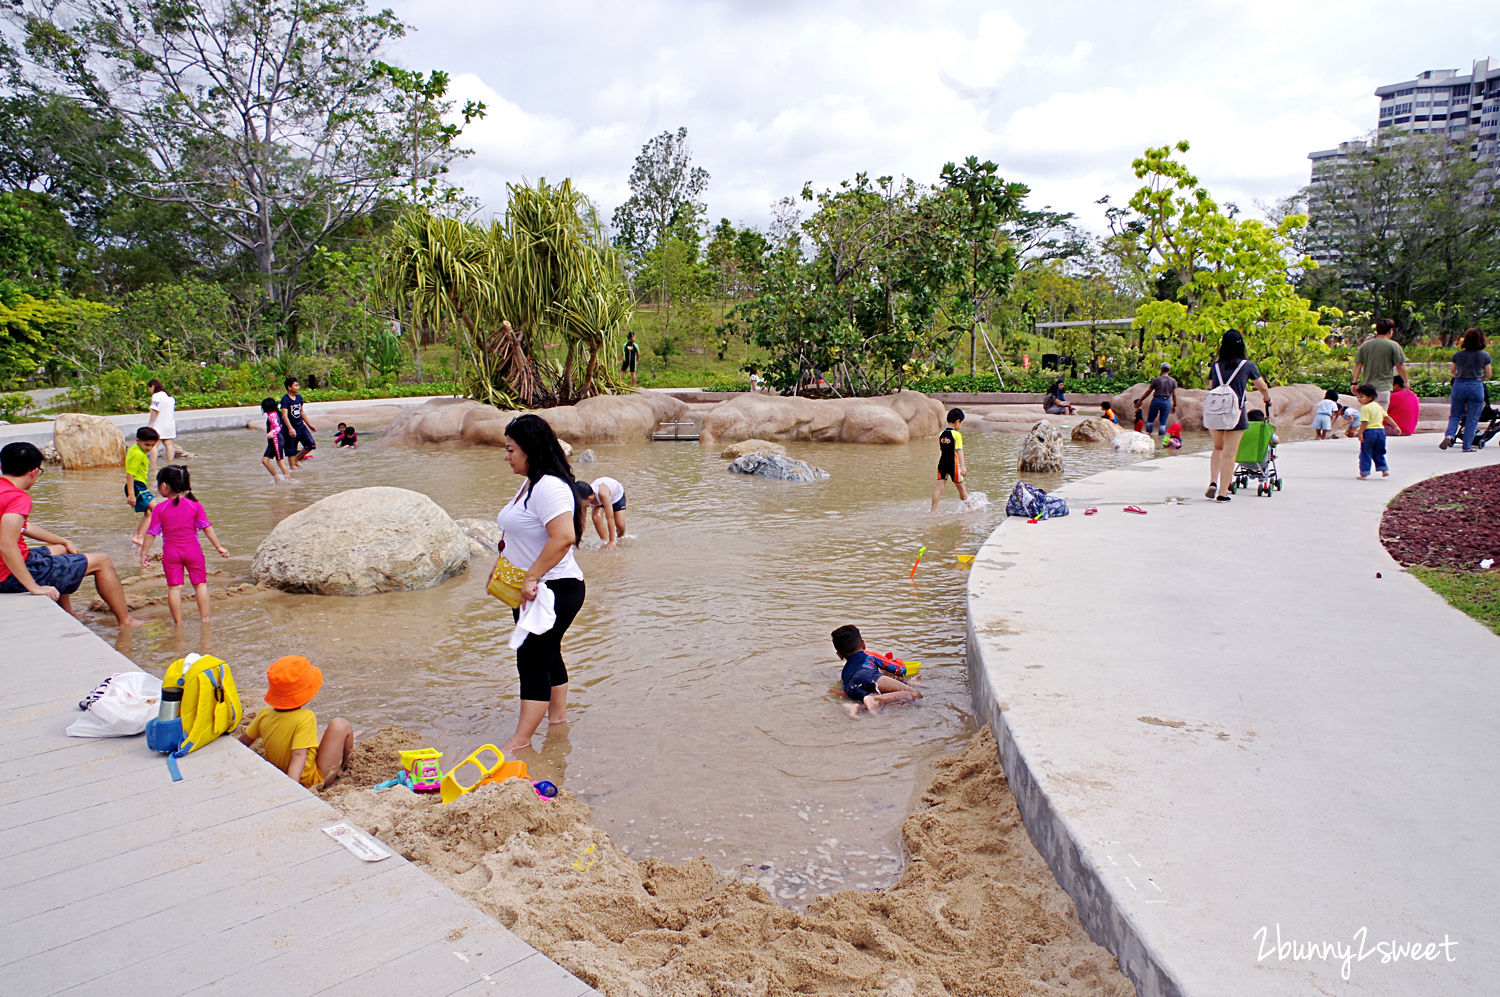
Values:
[(422, 766)]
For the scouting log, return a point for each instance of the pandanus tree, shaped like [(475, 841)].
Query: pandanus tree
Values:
[(543, 273)]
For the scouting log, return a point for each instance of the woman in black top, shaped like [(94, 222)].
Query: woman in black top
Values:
[(1471, 367), (1234, 369), (1056, 402)]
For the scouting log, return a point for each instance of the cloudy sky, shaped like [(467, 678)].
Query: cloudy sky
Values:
[(1061, 94)]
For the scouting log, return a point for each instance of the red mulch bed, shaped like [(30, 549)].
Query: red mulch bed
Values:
[(1448, 522)]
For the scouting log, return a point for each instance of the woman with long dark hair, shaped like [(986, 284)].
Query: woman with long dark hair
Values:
[(1234, 368), (539, 529), (1470, 367)]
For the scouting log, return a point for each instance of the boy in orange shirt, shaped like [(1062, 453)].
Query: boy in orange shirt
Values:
[(290, 729)]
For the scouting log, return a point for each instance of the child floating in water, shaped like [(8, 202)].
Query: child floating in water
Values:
[(290, 729), (863, 681), (951, 458), (346, 436)]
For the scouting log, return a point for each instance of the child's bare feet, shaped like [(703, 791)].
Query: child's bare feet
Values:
[(514, 745), (850, 708), (130, 622), (137, 541)]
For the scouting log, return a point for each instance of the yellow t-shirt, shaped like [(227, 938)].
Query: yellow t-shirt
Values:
[(137, 463), (1372, 416), (284, 732)]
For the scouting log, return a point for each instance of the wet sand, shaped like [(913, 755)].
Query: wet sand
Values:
[(975, 911)]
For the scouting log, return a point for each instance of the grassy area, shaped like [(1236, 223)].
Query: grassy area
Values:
[(680, 349), (1475, 592)]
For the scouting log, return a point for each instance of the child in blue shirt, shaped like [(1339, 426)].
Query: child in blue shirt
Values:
[(863, 682)]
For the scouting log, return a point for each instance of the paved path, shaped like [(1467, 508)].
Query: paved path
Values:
[(203, 420), (1218, 721), (115, 880)]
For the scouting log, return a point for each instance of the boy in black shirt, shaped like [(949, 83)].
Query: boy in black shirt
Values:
[(951, 458), (298, 430)]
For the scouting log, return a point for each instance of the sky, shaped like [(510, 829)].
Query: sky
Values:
[(1061, 94)]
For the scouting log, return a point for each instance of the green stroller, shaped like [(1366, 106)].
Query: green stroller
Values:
[(1256, 459)]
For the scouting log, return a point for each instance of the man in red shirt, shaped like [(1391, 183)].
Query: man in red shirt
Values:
[(56, 568)]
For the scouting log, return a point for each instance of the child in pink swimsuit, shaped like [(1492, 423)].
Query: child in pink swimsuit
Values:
[(176, 518)]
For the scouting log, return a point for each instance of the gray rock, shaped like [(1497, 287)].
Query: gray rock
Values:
[(587, 457), (778, 467), (362, 541), (1042, 450), (483, 534)]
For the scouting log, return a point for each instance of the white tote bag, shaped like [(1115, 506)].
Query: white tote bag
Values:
[(127, 701)]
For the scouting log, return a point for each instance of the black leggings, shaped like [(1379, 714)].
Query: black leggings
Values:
[(540, 660)]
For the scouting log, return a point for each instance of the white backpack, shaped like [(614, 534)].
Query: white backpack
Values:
[(1221, 406)]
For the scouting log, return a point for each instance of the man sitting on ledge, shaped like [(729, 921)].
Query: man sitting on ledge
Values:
[(56, 568)]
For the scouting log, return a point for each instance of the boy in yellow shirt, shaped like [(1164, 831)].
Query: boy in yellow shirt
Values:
[(1372, 417), (137, 470), (951, 458), (290, 729)]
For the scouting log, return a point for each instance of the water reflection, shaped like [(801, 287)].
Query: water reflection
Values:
[(704, 716)]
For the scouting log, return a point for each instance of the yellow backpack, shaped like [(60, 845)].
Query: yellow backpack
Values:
[(210, 706)]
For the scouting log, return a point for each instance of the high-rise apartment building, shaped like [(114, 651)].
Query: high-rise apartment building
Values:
[(1463, 109)]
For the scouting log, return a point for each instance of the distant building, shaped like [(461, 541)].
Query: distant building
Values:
[(1462, 109)]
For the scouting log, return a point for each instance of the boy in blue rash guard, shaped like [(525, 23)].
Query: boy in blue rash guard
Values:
[(862, 681), (951, 458)]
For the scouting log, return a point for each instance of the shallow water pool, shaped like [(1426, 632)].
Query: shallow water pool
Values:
[(704, 721)]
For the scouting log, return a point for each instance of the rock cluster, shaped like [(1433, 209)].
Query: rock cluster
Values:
[(1042, 450), (1291, 404), (362, 541), (602, 419), (886, 419)]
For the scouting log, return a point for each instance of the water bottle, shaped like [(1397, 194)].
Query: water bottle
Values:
[(171, 704)]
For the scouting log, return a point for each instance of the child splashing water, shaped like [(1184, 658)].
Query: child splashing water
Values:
[(176, 518)]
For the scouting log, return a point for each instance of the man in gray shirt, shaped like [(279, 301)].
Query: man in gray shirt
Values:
[(1163, 394), (1379, 359)]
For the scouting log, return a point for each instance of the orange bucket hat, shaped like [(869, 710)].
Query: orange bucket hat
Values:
[(293, 682)]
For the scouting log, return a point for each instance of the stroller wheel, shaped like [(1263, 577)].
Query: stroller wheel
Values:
[(1278, 484)]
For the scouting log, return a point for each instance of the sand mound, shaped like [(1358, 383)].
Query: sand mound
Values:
[(975, 913)]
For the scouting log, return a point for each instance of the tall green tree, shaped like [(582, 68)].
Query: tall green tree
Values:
[(1229, 273), (666, 193), (1411, 229), (981, 204), (262, 118)]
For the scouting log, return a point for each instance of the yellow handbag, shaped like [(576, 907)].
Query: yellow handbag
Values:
[(505, 583)]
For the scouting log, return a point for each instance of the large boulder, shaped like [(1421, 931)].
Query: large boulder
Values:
[(1095, 430), (483, 534), (894, 418), (88, 441), (1130, 442), (1042, 450), (601, 419), (777, 467), (737, 450), (362, 541)]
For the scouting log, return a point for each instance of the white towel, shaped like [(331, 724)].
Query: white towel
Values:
[(537, 616)]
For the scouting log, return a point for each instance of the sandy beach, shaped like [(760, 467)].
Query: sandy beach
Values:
[(975, 912)]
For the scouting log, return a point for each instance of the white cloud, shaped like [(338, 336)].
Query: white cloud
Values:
[(1063, 96)]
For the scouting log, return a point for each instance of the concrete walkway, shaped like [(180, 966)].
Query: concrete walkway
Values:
[(204, 420), (115, 880), (1254, 764)]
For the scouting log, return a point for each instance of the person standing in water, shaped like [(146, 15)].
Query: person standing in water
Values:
[(951, 458), (538, 530)]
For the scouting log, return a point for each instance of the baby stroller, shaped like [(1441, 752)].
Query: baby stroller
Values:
[(1256, 460), (1482, 433)]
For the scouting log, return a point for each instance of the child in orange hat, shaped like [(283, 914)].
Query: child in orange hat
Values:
[(290, 729)]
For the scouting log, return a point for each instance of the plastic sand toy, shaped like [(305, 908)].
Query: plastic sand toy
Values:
[(452, 789)]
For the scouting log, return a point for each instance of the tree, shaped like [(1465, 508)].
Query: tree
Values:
[(262, 118), (666, 192), (1411, 231), (980, 205), (1230, 272)]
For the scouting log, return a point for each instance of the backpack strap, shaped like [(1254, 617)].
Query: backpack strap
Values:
[(172, 760)]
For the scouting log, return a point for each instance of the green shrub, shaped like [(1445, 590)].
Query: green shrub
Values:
[(12, 406)]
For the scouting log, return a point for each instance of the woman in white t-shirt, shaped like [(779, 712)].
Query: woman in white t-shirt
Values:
[(163, 418), (539, 529)]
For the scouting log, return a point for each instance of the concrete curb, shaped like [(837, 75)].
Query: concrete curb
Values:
[(1201, 762)]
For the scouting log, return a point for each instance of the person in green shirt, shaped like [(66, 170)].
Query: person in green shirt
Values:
[(1379, 360), (137, 470)]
